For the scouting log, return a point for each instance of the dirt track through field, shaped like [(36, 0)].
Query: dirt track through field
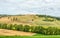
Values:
[(12, 33)]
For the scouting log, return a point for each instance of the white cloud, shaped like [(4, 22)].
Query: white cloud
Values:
[(30, 6), (49, 0)]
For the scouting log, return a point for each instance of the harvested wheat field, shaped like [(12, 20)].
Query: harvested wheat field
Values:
[(13, 33)]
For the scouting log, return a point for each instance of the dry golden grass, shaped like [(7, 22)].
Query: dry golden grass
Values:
[(27, 19), (13, 33)]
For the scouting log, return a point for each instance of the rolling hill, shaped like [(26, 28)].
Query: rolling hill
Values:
[(43, 20)]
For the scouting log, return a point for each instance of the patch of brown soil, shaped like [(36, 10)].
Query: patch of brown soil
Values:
[(12, 33)]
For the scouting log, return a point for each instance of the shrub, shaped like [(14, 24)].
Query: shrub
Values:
[(19, 27), (4, 26), (0, 26), (10, 27), (14, 27), (26, 28), (32, 29), (52, 31), (35, 29), (38, 29)]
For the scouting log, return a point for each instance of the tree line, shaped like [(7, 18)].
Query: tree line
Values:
[(34, 29)]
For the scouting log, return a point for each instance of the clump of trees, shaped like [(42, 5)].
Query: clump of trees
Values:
[(34, 29)]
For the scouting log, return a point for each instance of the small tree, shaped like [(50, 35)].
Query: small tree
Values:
[(57, 32), (4, 26), (10, 27), (19, 27), (14, 27), (51, 31), (0, 26), (38, 29), (35, 29), (42, 30), (32, 28), (26, 28)]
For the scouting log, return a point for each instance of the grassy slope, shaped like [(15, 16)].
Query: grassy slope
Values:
[(37, 21), (27, 19)]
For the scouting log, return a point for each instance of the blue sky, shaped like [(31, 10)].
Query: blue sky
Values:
[(50, 7)]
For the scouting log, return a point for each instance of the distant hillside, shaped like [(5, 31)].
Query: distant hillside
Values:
[(43, 20)]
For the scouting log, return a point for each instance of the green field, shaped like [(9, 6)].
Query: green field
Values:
[(41, 36), (35, 36)]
